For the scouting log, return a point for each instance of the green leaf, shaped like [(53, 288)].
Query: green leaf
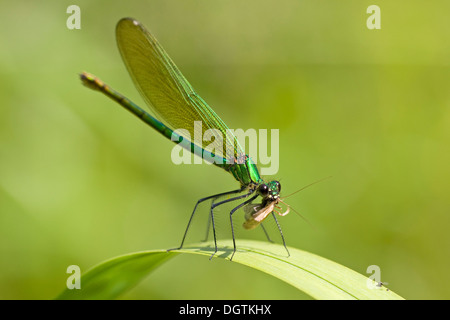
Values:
[(318, 277)]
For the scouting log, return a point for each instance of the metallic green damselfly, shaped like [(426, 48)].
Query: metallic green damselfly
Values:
[(170, 96)]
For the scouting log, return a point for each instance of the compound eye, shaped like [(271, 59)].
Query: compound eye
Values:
[(278, 186), (263, 189)]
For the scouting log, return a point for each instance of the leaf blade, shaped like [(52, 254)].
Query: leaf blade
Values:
[(111, 278), (317, 276)]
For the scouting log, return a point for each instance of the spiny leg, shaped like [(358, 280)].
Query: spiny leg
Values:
[(281, 233), (223, 202), (207, 226), (231, 221), (265, 232), (195, 208), (209, 221)]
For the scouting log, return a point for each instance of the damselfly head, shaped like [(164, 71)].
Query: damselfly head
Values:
[(270, 191), (256, 213)]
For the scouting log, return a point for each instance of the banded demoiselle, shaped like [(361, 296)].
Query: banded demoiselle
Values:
[(173, 100)]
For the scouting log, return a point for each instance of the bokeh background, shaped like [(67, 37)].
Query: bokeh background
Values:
[(82, 180)]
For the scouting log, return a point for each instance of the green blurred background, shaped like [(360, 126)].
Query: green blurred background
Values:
[(82, 180)]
